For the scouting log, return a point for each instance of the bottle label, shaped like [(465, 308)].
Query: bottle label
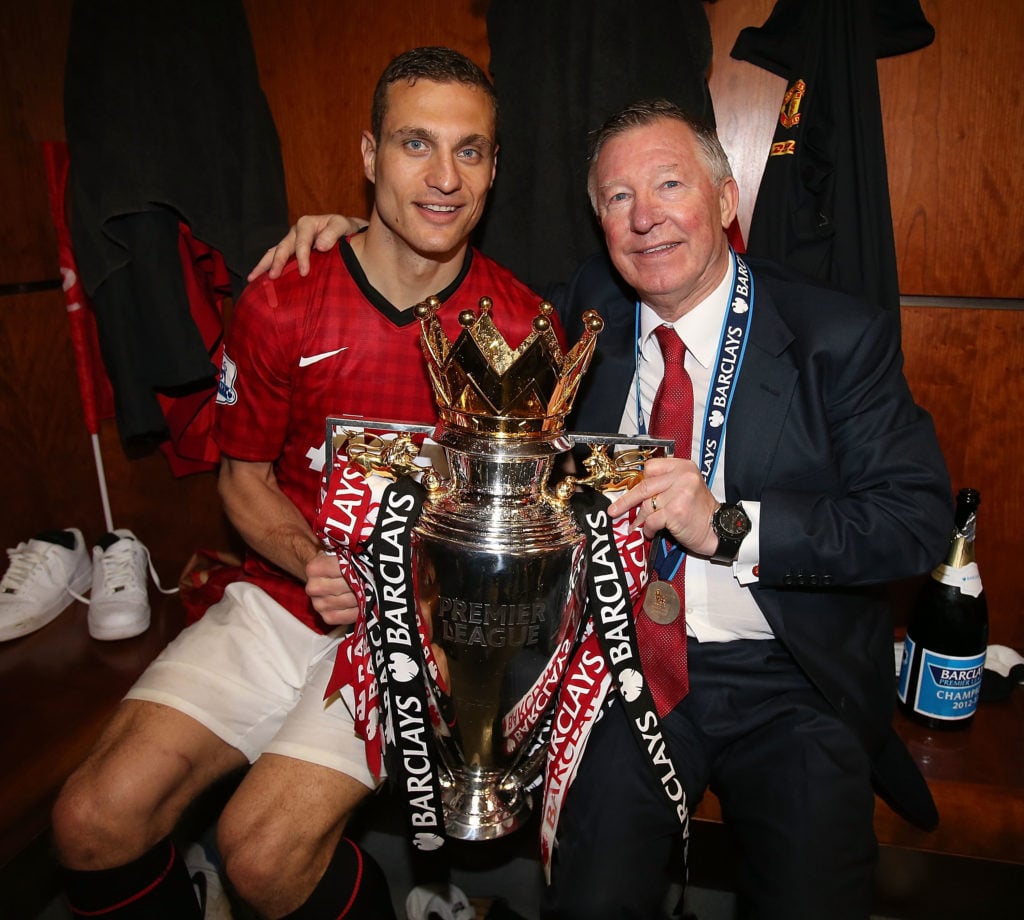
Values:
[(967, 578), (948, 685)]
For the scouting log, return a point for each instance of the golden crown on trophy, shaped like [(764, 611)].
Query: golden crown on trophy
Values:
[(484, 386)]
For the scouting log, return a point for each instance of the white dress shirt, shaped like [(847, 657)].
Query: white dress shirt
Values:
[(719, 606)]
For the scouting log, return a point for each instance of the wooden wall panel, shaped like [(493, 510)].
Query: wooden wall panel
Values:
[(952, 115), (40, 416), (33, 45), (746, 99), (964, 367)]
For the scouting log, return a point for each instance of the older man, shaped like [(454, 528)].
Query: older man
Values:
[(813, 477)]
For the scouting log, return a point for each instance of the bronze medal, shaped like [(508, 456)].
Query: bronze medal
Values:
[(661, 602)]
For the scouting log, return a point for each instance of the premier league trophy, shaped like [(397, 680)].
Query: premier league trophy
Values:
[(476, 577), (498, 556)]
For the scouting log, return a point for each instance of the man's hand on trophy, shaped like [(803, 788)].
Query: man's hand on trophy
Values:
[(321, 231), (672, 497), (329, 592)]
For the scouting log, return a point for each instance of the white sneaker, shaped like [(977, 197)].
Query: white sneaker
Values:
[(438, 902), (39, 581), (206, 880), (119, 605)]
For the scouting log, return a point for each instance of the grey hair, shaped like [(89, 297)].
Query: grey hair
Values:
[(648, 111)]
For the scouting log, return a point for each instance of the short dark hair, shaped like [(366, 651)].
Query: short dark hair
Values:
[(437, 63), (645, 112)]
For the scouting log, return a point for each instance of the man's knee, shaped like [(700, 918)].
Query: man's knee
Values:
[(252, 847), (74, 816), (272, 854), (97, 821), (134, 786), (280, 829)]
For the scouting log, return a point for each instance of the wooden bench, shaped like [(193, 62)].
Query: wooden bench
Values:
[(977, 779), (59, 687), (972, 865)]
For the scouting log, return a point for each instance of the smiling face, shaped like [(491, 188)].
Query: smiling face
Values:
[(663, 214), (432, 167)]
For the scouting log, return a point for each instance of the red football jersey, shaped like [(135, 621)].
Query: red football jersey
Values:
[(302, 349)]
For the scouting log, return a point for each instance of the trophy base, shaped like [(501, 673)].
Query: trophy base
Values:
[(478, 807)]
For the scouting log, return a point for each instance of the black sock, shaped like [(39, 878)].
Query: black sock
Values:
[(155, 886), (354, 887)]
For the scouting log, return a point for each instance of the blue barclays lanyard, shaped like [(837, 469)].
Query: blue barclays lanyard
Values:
[(732, 347)]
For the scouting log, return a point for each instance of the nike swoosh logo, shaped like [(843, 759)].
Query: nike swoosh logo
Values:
[(312, 359)]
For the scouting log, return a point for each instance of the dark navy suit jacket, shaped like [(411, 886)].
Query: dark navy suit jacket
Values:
[(854, 491)]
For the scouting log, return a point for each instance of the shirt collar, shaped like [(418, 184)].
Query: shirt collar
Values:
[(700, 328)]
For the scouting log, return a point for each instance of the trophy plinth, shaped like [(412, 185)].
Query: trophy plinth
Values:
[(483, 805)]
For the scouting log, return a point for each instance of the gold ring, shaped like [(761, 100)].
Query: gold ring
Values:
[(654, 502)]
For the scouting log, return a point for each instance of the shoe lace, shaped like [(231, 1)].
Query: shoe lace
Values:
[(156, 578), (23, 562), (119, 567)]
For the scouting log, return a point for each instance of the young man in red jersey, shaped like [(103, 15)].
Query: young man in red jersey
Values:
[(246, 683)]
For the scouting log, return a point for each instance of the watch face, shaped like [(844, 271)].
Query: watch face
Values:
[(732, 521)]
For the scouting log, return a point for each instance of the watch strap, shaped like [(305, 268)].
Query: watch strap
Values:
[(728, 543)]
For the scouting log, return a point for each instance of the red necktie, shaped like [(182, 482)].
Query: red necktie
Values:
[(663, 646)]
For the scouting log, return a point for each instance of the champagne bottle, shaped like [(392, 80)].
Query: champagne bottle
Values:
[(944, 650)]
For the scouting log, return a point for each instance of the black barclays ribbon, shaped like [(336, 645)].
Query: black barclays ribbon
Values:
[(400, 664), (613, 615)]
